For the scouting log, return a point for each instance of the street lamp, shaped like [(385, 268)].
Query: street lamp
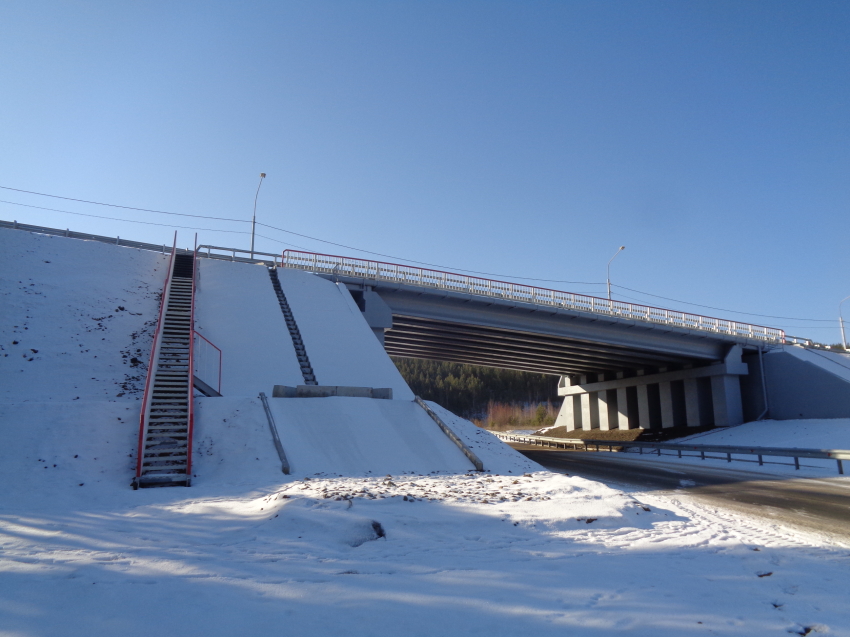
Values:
[(254, 219), (608, 278), (841, 323)]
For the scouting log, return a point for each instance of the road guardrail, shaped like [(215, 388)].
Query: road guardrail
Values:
[(839, 455)]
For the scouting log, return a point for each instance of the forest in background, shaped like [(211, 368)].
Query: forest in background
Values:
[(490, 397)]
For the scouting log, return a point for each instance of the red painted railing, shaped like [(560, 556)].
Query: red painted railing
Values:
[(410, 275), (191, 374), (157, 340), (202, 361)]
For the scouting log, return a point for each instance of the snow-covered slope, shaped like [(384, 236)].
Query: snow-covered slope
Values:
[(239, 312), (342, 348), (835, 363), (76, 317), (337, 436), (350, 436), (236, 308)]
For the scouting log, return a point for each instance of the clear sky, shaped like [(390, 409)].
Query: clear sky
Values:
[(524, 139)]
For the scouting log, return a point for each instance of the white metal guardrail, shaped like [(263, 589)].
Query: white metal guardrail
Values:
[(229, 254), (409, 275), (839, 455), (117, 241)]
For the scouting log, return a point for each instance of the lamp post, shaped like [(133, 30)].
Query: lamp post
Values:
[(608, 278), (841, 323), (254, 218)]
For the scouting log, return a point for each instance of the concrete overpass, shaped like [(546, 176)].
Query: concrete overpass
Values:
[(622, 365)]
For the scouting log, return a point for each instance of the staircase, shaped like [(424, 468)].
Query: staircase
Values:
[(165, 436), (297, 341)]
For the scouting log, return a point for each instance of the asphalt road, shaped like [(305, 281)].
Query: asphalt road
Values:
[(810, 503)]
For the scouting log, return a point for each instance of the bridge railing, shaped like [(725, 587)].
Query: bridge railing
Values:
[(409, 275)]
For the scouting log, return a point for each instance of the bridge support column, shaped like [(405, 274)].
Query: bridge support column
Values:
[(726, 393), (726, 400), (589, 408), (569, 416), (698, 403), (622, 405), (607, 405), (691, 396), (692, 410), (672, 399), (643, 403)]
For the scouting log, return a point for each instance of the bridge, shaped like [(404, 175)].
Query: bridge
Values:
[(621, 365)]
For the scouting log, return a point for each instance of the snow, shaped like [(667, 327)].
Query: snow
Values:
[(355, 435), (249, 550), (236, 308), (337, 436), (537, 553), (341, 346), (834, 362), (73, 316), (832, 433)]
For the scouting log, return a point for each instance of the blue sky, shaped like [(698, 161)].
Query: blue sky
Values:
[(524, 139)]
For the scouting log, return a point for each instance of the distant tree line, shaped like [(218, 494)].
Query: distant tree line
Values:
[(472, 391)]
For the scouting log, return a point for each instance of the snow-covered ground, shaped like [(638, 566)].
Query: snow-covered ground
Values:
[(247, 550), (526, 552), (76, 317), (831, 433)]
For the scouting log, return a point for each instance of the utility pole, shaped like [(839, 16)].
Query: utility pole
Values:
[(254, 218), (841, 324), (608, 277)]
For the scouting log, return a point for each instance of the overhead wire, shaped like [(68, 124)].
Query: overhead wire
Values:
[(719, 309), (347, 247), (148, 223), (113, 205), (433, 265)]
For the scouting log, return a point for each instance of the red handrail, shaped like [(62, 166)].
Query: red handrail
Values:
[(211, 344), (468, 277), (191, 365), (151, 365)]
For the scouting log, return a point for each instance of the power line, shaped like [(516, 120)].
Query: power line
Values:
[(720, 309), (147, 223), (347, 247), (433, 265), (112, 205), (341, 245)]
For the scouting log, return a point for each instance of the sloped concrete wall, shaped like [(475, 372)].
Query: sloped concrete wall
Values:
[(799, 388)]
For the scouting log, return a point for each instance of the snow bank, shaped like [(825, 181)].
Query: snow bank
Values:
[(236, 308), (76, 317), (342, 348), (808, 434)]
